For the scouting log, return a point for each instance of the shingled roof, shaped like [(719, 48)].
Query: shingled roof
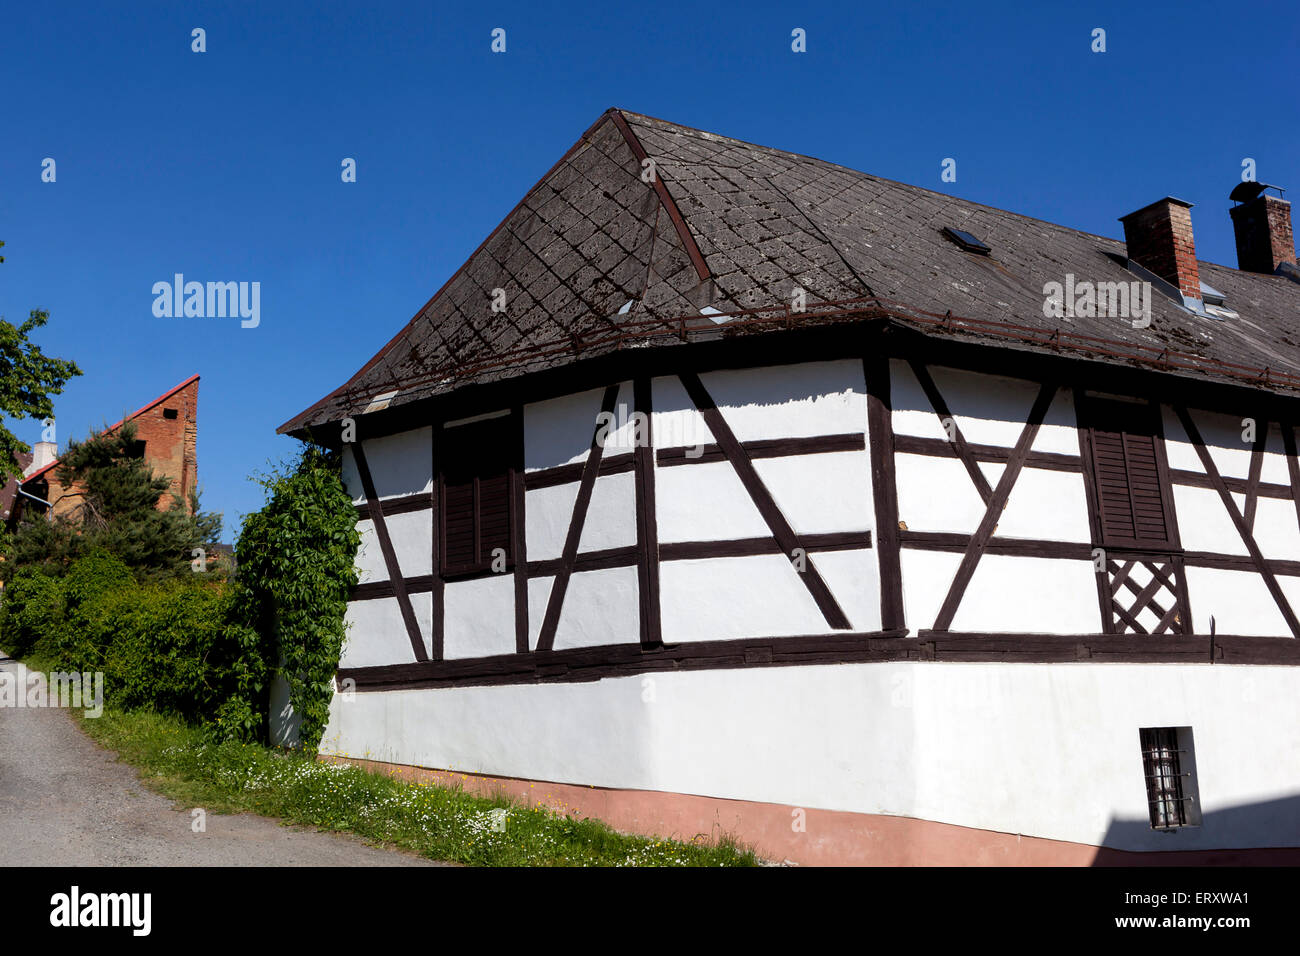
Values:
[(595, 259)]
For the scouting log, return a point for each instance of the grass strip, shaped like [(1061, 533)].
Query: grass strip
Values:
[(438, 822)]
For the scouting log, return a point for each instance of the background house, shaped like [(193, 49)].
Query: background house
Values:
[(166, 438)]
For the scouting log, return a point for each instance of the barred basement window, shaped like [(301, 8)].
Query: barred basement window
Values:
[(476, 494), (1169, 765)]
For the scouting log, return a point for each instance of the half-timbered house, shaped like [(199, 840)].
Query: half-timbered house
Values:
[(725, 489)]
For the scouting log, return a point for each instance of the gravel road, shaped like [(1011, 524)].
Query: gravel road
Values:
[(64, 801)]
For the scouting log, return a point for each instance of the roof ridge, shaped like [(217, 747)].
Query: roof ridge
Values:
[(665, 197), (873, 176)]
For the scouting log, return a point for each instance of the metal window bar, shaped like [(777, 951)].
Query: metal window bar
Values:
[(1164, 778)]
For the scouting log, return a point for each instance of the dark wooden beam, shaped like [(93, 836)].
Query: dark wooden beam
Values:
[(647, 525), (619, 660), (665, 197), (1196, 479), (1088, 468), (1023, 547), (959, 446), (437, 629), (762, 448), (884, 489), (519, 534), (939, 448), (748, 547), (627, 557), (1292, 465), (551, 620), (563, 474), (1261, 565), (400, 505), (1256, 468), (630, 659), (390, 556), (998, 501), (762, 499)]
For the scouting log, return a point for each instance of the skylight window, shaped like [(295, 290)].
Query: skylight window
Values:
[(1216, 303), (966, 241), (1211, 295)]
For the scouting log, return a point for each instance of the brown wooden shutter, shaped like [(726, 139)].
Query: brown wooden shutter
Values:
[(477, 498), (1132, 504)]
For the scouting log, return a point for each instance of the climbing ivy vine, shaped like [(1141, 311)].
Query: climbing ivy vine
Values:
[(296, 560)]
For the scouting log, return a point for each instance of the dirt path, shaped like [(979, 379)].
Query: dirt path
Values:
[(66, 802)]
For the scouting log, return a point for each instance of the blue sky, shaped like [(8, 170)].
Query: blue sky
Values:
[(225, 165)]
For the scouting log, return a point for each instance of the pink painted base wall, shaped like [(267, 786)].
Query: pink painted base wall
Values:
[(827, 837)]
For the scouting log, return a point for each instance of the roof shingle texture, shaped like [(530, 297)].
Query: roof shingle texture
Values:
[(593, 236)]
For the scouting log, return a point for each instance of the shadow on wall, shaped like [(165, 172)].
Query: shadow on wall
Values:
[(1253, 826)]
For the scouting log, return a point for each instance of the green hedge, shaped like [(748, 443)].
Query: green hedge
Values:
[(167, 646), (197, 646), (32, 614)]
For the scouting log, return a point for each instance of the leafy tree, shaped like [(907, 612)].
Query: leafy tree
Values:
[(28, 379), (119, 514)]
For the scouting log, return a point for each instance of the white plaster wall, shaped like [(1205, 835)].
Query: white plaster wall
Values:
[(1239, 601), (412, 537), (936, 494), (400, 464), (1277, 531), (1203, 522), (995, 746), (377, 635), (1046, 504), (816, 493), (781, 401), (600, 607), (1045, 750), (558, 431), (1223, 438), (821, 493), (705, 502), (989, 409), (610, 522), (479, 617), (1006, 594), (762, 596)]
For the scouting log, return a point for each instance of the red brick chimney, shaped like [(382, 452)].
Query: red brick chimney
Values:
[(1263, 228), (1159, 239)]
